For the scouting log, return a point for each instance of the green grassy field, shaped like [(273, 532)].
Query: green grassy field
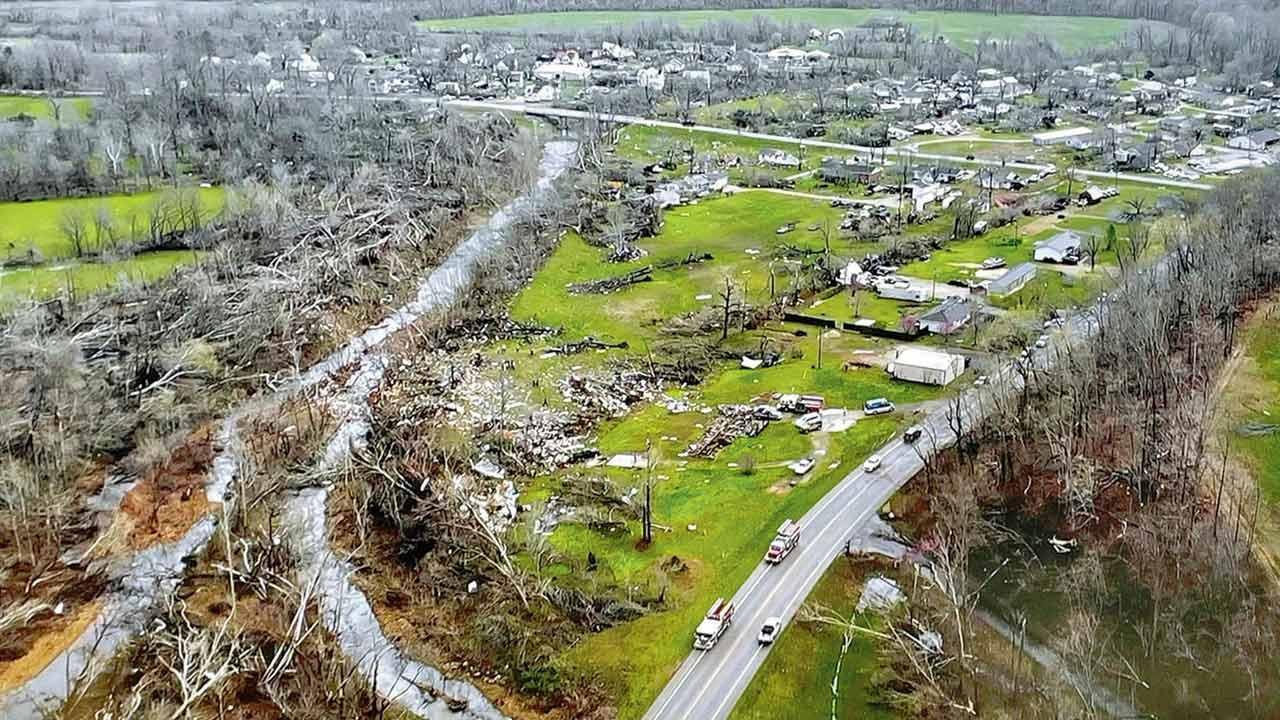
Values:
[(87, 278), (961, 28), (795, 680), (1257, 392), (725, 227), (71, 109), (36, 226), (731, 511), (647, 145)]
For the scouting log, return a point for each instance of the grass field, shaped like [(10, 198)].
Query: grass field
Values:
[(71, 109), (725, 227), (1257, 391), (648, 145), (86, 278), (795, 680), (36, 226), (729, 510), (961, 28)]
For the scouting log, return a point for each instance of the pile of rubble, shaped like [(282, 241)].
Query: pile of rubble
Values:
[(609, 395), (735, 421)]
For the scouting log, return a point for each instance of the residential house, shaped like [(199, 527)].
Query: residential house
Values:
[(948, 317), (1093, 194), (1255, 141), (1012, 281), (1061, 248), (778, 158), (848, 172), (1061, 137)]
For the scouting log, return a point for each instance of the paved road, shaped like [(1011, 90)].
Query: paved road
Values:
[(708, 684), (546, 111)]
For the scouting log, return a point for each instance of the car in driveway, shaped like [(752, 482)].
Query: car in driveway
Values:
[(769, 630), (877, 406), (872, 464)]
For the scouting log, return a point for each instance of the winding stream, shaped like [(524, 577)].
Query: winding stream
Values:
[(150, 575)]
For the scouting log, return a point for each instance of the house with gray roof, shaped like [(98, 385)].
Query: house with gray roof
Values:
[(1012, 281)]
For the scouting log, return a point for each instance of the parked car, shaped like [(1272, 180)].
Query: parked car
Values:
[(913, 433), (809, 423), (872, 464), (769, 631), (878, 406)]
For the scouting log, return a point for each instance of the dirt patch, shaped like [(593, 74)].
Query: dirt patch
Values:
[(166, 503), (47, 645)]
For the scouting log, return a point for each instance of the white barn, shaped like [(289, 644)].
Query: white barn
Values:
[(926, 366)]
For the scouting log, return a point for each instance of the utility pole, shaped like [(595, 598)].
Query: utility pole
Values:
[(819, 348), (647, 515)]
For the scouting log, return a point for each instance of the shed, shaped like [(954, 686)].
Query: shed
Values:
[(926, 366)]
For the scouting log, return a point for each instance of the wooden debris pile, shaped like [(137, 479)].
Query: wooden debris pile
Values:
[(609, 395), (583, 345), (644, 274), (735, 421)]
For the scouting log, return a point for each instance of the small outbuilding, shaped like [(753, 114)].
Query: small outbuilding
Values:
[(930, 367)]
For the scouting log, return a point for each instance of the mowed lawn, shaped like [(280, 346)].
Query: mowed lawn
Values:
[(795, 680), (962, 28), (37, 226), (12, 106)]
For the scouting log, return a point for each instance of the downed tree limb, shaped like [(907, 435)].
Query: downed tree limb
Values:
[(639, 275), (613, 284), (583, 345)]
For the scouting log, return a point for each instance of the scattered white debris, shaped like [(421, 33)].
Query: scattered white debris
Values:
[(472, 587), (1062, 547), (693, 528), (880, 593), (629, 461)]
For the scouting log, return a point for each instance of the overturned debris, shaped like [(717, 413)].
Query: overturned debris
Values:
[(583, 345), (735, 421)]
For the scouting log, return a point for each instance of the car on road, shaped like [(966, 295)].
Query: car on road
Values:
[(877, 406), (1042, 341), (871, 464), (913, 433), (769, 631)]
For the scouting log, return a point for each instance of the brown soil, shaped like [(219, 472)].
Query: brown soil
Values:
[(45, 646), (166, 503)]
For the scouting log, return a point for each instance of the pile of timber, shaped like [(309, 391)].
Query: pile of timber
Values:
[(583, 345), (735, 421), (615, 283)]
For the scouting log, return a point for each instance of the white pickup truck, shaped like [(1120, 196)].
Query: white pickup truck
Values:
[(718, 619)]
